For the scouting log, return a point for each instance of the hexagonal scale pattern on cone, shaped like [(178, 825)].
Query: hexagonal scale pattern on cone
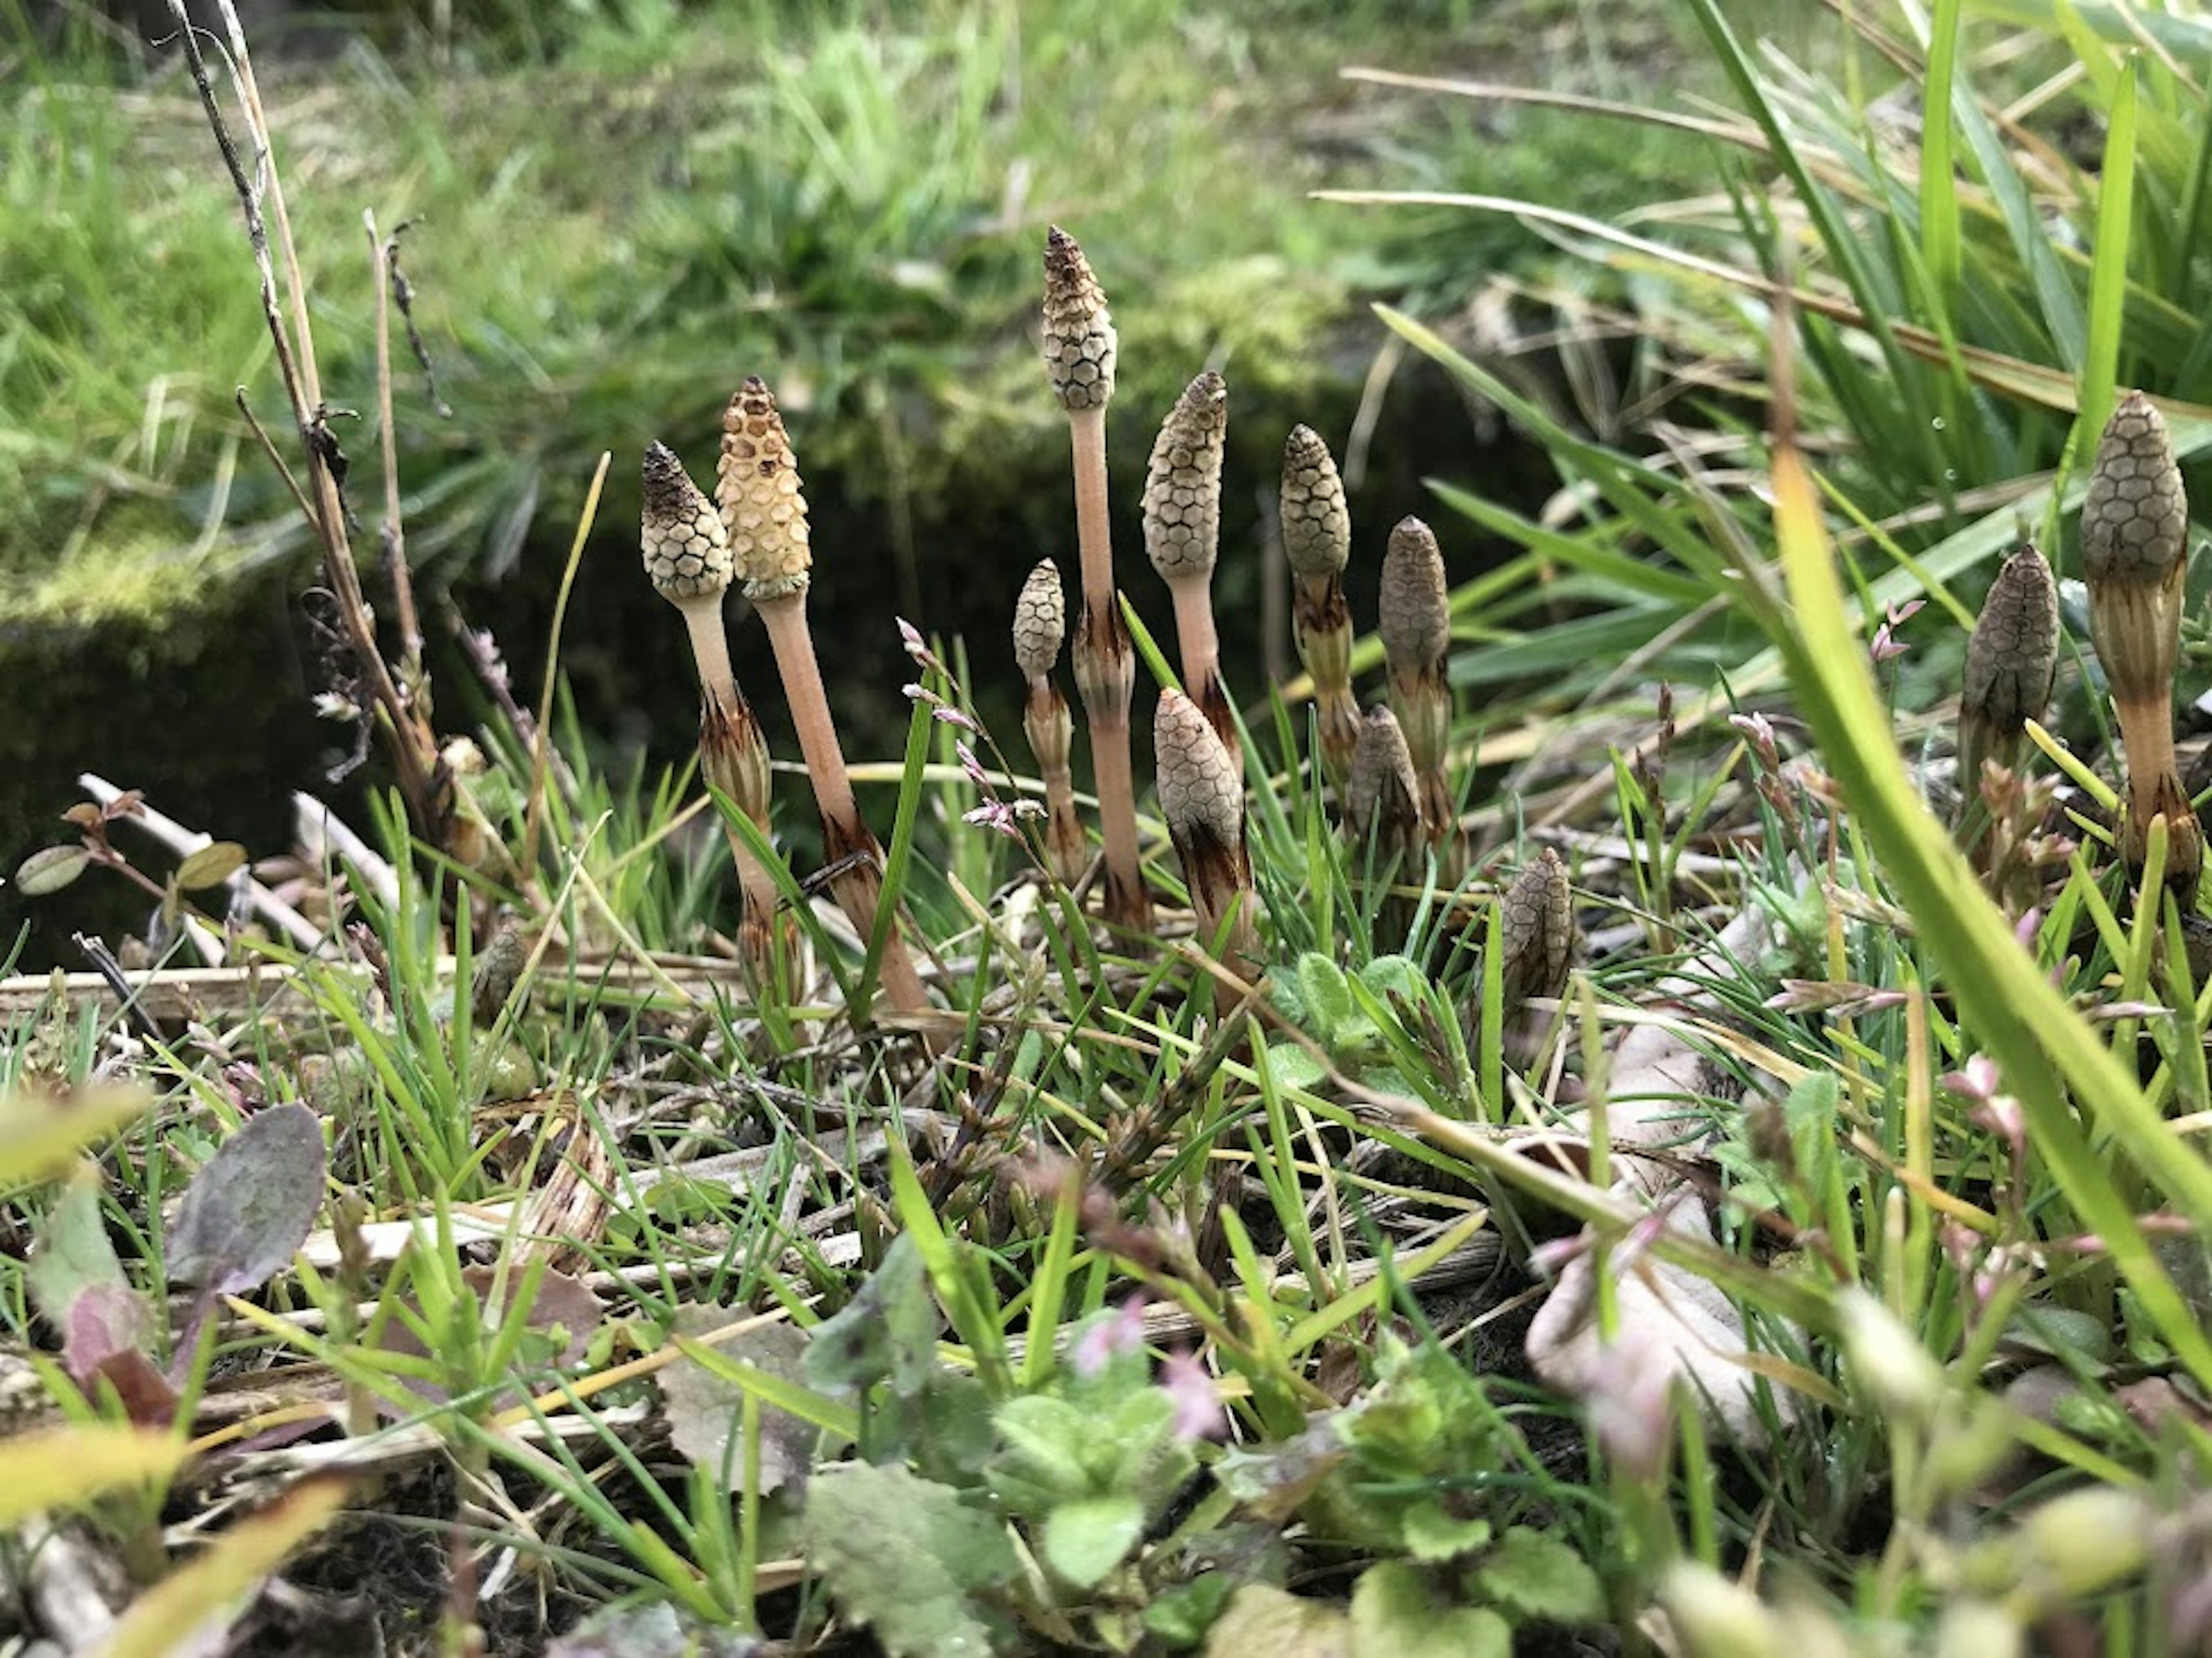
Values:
[(1079, 344), (1182, 486), (2013, 655), (1040, 621), (756, 484), (687, 554), (1414, 608), (2135, 519), (1316, 525), (1199, 789)]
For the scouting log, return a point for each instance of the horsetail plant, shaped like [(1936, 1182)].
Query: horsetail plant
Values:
[(687, 556), (764, 512), (1535, 948), (1040, 623), (1382, 790), (1182, 537), (1383, 806), (1415, 623), (2012, 661), (1202, 798), (1078, 358), (1317, 543), (2134, 530)]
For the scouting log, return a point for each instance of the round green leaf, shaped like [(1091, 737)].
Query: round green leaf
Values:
[(1085, 1539), (49, 869), (211, 866)]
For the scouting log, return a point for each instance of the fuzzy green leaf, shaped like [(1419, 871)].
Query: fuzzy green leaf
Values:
[(1084, 1541), (1328, 1002), (1534, 1575), (1394, 1612), (901, 1555), (211, 866)]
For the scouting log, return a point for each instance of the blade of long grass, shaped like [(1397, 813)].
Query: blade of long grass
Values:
[(2108, 282)]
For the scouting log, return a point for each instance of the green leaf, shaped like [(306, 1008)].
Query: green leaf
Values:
[(902, 1556), (1294, 1067), (1432, 1534), (77, 1283), (1262, 1618), (888, 1331), (49, 869), (1534, 1575), (1181, 1613), (211, 866), (1329, 999), (1393, 1613), (1084, 1541), (1394, 975)]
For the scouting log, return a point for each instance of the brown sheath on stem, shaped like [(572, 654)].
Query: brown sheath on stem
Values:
[(2134, 540), (1415, 623), (1039, 622), (687, 556), (1317, 544), (1080, 348), (1203, 798), (764, 512), (1182, 537)]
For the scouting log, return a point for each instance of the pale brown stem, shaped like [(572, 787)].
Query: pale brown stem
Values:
[(1105, 673), (725, 723), (395, 535), (1200, 646), (2154, 789), (1045, 722), (1322, 627), (847, 845)]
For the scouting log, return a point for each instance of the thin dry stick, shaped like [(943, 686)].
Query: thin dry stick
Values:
[(427, 794), (384, 271), (2135, 546), (1317, 543), (1078, 355), (1040, 624), (1415, 623), (687, 556), (1202, 798), (1182, 537), (757, 486)]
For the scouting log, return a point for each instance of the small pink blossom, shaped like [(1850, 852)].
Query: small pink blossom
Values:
[(1198, 1409), (1110, 1336)]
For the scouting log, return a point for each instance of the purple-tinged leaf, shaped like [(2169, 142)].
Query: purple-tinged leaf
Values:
[(248, 1210), (78, 1285)]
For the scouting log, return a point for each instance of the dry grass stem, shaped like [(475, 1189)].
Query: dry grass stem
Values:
[(1415, 623), (764, 514), (426, 788), (687, 556), (1079, 349), (1182, 537), (1317, 543), (1040, 624), (2135, 529), (1202, 798)]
